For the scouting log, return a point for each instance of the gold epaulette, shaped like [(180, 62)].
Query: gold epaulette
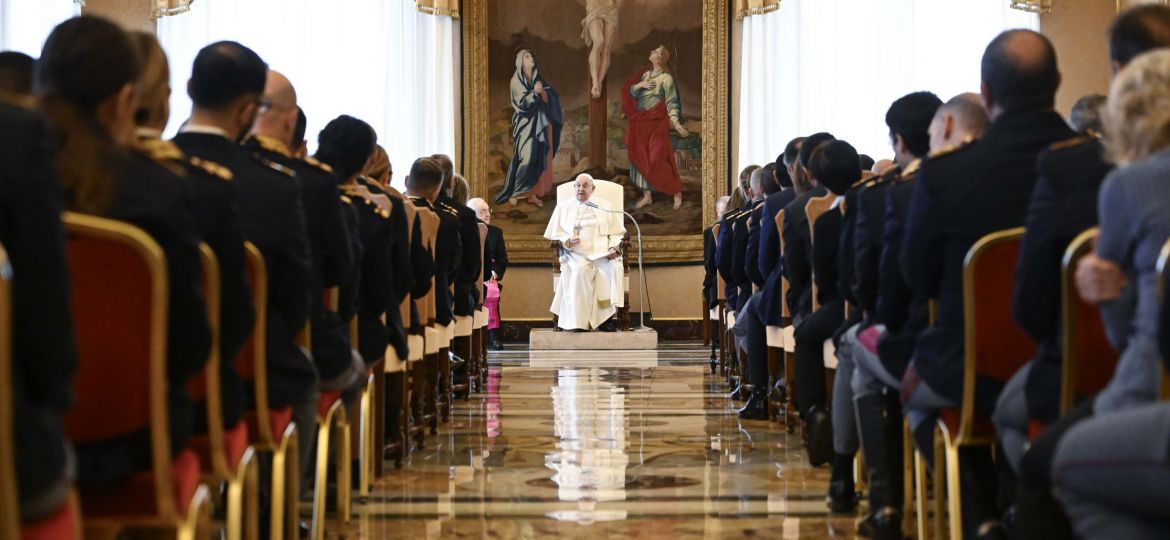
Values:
[(17, 100), (345, 199), (270, 144), (950, 149), (323, 166), (276, 166), (212, 168), (1071, 143), (160, 150)]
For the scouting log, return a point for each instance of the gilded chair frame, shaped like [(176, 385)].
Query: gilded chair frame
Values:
[(965, 434), (285, 452), (1070, 301), (1164, 274), (243, 478), (332, 423), (189, 521), (9, 503)]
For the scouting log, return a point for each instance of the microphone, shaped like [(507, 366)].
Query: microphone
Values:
[(642, 293)]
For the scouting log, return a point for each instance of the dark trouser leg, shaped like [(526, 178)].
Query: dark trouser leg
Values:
[(880, 422), (757, 346), (1038, 514)]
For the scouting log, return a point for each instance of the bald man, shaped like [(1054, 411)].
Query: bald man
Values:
[(958, 121), (495, 263), (959, 197), (590, 233), (327, 221)]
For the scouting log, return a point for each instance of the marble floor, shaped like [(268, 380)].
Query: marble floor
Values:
[(607, 444)]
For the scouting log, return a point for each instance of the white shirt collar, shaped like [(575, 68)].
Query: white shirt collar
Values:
[(205, 130), (837, 201)]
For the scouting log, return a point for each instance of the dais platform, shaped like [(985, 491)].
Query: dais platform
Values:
[(548, 339)]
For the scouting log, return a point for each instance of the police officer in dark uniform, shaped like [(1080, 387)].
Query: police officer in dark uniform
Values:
[(213, 194), (43, 348), (466, 297), (984, 187), (227, 86), (89, 64), (332, 249)]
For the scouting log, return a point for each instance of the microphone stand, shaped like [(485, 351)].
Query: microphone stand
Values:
[(642, 294)]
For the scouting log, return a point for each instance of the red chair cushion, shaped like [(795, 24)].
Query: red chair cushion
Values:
[(1035, 428), (135, 497), (326, 402), (111, 304), (65, 523), (983, 425), (279, 419), (235, 442)]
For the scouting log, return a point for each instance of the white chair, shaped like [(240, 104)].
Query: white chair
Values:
[(614, 194)]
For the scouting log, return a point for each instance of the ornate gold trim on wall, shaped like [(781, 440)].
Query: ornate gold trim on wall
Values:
[(716, 110)]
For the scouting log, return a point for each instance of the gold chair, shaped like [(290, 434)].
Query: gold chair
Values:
[(332, 431), (120, 288), (994, 347), (231, 460), (1089, 358), (269, 430)]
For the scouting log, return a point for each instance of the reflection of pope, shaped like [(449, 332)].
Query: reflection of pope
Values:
[(590, 287)]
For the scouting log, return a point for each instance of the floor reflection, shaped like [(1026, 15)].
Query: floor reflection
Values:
[(612, 444)]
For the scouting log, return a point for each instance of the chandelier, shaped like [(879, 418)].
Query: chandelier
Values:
[(1032, 6)]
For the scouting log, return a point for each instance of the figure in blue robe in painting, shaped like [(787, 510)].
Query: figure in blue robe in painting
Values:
[(536, 134)]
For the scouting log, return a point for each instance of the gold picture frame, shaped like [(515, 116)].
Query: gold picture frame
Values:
[(715, 133)]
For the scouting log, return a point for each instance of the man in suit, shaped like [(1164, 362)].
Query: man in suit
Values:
[(982, 188), (43, 349), (330, 243), (808, 356), (495, 263), (466, 297), (749, 329), (877, 414), (725, 243), (1063, 204), (227, 89)]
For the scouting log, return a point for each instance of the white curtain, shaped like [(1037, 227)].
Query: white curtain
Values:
[(836, 65), (380, 61), (24, 24)]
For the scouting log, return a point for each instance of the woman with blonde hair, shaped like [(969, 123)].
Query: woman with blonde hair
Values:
[(1111, 470)]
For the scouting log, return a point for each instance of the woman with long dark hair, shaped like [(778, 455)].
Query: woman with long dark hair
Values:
[(86, 80)]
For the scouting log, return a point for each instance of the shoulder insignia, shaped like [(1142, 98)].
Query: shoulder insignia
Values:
[(212, 168), (1070, 143), (950, 149), (346, 199), (759, 205), (276, 166), (160, 150), (323, 166), (17, 100), (272, 145)]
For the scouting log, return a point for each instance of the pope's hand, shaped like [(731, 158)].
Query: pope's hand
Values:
[(613, 254), (572, 241)]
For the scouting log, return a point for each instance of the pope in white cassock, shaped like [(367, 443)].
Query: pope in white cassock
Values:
[(590, 232)]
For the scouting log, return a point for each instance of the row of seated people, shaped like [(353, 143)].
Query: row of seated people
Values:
[(298, 280), (900, 281)]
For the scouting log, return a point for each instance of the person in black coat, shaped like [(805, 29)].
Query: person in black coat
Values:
[(226, 88), (770, 257), (725, 240), (84, 67), (43, 348), (333, 251), (213, 198), (495, 264), (983, 188), (796, 238)]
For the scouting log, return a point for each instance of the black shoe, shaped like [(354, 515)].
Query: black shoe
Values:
[(883, 524), (494, 340), (842, 493), (820, 438), (740, 393), (608, 326), (779, 393), (756, 407)]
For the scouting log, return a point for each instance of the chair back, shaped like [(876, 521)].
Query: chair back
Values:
[(404, 307), (720, 293), (9, 512), (1089, 358), (429, 222), (206, 386), (251, 363), (994, 346), (784, 314), (1163, 275), (814, 209), (118, 279), (611, 192)]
